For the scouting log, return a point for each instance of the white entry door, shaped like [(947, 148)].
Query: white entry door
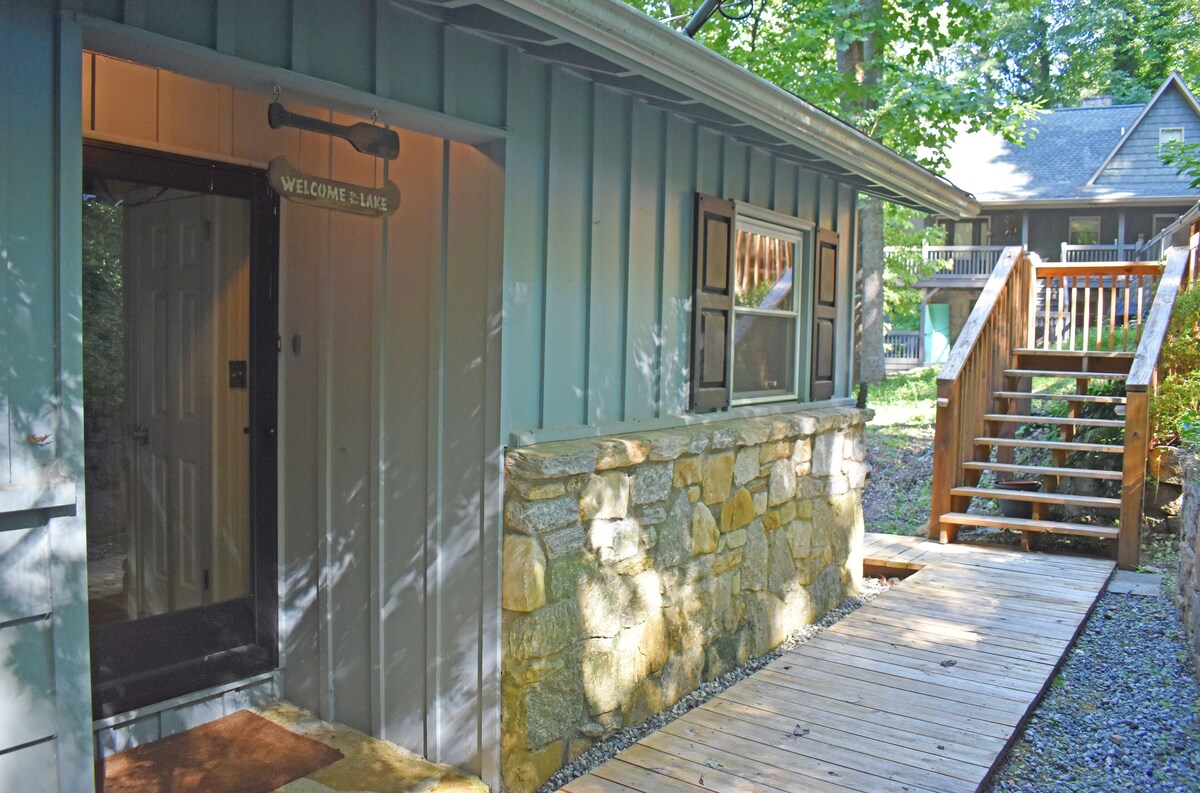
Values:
[(169, 243)]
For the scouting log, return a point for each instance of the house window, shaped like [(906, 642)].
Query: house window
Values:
[(1161, 222), (766, 310), (1084, 231), (765, 307), (1169, 135)]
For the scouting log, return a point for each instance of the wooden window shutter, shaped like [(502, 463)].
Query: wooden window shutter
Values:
[(824, 316), (712, 303)]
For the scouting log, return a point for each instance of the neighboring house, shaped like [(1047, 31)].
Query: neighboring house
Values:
[(486, 473), (1087, 185)]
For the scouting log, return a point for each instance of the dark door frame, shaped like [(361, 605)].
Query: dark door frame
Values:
[(152, 659)]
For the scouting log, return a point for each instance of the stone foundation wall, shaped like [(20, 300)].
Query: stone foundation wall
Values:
[(1188, 592), (637, 567)]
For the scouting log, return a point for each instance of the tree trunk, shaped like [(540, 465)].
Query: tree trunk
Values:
[(860, 60), (871, 365)]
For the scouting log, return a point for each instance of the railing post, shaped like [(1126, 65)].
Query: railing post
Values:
[(945, 461), (1133, 478)]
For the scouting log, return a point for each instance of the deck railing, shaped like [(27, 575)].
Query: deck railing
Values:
[(902, 349), (964, 260), (1097, 253), (998, 324), (1181, 267), (1097, 306)]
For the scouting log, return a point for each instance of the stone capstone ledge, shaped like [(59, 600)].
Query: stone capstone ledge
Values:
[(1188, 587), (638, 566)]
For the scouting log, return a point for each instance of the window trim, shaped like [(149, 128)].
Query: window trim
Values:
[(1071, 221), (1162, 130), (759, 220)]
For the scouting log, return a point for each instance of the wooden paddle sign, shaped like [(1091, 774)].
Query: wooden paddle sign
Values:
[(364, 137), (319, 191)]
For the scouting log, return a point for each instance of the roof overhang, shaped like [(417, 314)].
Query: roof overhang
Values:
[(618, 45)]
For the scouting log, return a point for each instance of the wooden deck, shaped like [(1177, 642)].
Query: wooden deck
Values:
[(922, 689)]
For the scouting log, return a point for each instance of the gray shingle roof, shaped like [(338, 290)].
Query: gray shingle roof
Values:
[(1065, 149)]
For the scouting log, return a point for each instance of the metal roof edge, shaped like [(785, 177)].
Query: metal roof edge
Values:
[(666, 53), (1058, 203)]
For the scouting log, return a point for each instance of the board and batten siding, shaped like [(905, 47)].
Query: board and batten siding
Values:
[(45, 736), (389, 396), (391, 415), (1138, 161), (598, 264)]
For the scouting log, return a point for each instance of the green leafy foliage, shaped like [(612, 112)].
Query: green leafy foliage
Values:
[(1055, 52), (1184, 158), (103, 306), (904, 265), (1175, 409)]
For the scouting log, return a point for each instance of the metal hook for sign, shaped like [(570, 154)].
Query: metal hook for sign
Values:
[(374, 116), (275, 92)]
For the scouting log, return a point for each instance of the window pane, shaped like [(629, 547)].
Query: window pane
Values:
[(763, 355), (764, 271), (962, 233), (1169, 134), (1084, 231)]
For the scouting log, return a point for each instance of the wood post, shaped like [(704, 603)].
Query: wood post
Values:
[(1133, 479)]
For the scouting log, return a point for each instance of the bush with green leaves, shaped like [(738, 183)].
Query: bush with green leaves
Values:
[(1175, 409)]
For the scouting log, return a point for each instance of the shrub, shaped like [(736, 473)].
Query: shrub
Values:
[(1175, 409)]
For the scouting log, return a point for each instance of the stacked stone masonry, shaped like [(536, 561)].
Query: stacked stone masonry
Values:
[(637, 567), (1188, 594)]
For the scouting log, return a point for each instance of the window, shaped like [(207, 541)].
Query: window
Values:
[(1169, 135), (766, 311), (1084, 231), (765, 307), (1161, 222)]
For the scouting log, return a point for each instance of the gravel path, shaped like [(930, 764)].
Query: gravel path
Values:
[(622, 739), (1124, 713)]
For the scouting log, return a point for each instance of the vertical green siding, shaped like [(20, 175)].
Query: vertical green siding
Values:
[(568, 227), (597, 333), (334, 41), (609, 255), (413, 58), (643, 283), (525, 253), (194, 21), (679, 186), (251, 23), (473, 81)]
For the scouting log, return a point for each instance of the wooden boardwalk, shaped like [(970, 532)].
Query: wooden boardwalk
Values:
[(922, 689)]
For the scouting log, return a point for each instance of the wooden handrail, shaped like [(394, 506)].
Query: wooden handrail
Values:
[(1097, 268), (998, 324), (1181, 264), (1145, 361)]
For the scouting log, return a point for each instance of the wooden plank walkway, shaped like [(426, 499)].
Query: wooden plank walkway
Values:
[(923, 689)]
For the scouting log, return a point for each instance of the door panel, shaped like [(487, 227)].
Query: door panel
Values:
[(171, 342)]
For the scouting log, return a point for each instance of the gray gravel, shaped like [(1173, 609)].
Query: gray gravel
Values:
[(1123, 714), (624, 738)]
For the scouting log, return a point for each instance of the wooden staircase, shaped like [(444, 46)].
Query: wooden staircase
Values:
[(1014, 407), (1064, 325)]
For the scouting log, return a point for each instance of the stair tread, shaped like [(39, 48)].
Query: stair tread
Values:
[(1045, 470), (1038, 497), (1076, 353), (1076, 375), (1099, 398), (1022, 419), (1028, 524), (1070, 446)]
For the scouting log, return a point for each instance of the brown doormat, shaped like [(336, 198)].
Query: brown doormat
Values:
[(241, 753)]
